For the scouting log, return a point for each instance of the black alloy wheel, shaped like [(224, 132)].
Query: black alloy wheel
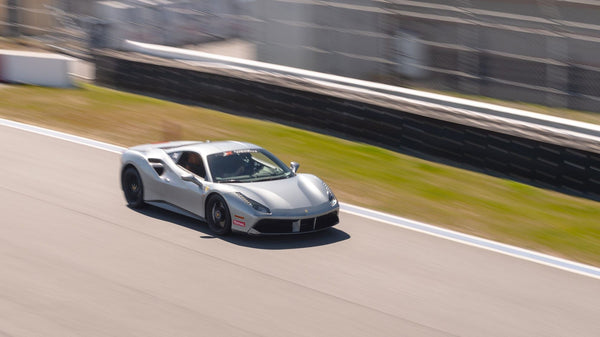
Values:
[(132, 187), (217, 215)]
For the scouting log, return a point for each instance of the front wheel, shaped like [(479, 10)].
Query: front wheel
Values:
[(132, 187), (217, 215)]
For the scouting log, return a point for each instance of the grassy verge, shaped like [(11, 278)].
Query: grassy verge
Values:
[(360, 174)]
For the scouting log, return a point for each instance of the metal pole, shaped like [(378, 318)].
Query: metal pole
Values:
[(557, 75), (468, 57), (14, 28)]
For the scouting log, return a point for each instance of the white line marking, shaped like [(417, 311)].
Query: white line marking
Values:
[(466, 239), (475, 241), (63, 136)]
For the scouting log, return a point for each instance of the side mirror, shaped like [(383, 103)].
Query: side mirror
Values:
[(191, 178), (294, 166)]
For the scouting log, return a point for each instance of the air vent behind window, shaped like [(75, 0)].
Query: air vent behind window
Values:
[(157, 165)]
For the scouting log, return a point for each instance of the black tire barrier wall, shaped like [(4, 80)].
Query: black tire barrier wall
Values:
[(567, 169)]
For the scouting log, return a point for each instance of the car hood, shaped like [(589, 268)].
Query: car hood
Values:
[(300, 191)]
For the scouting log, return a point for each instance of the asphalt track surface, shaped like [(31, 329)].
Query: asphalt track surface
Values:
[(76, 261)]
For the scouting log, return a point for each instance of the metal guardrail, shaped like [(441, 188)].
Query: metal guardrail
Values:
[(197, 58)]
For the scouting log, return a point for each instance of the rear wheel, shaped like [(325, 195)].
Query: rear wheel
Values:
[(217, 215), (132, 187)]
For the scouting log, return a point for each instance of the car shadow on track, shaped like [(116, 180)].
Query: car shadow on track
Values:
[(325, 237)]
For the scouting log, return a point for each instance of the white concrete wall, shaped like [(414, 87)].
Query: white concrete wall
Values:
[(43, 69)]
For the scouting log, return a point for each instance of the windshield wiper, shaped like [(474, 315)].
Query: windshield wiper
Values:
[(272, 178), (228, 180)]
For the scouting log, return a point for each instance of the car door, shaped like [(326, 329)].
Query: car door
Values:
[(188, 195)]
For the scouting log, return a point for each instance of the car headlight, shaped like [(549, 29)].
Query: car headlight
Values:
[(254, 204), (332, 200)]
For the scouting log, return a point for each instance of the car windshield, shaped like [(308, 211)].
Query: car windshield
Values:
[(246, 166)]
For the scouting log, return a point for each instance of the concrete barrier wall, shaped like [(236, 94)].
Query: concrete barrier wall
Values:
[(44, 69), (533, 156)]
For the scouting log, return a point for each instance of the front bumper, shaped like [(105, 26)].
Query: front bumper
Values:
[(279, 226)]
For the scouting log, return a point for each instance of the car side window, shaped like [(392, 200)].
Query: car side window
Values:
[(192, 162)]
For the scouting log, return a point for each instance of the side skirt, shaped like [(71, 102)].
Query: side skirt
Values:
[(173, 208)]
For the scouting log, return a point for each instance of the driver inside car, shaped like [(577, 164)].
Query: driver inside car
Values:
[(192, 162), (234, 166)]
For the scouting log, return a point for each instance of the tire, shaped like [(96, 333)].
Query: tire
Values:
[(218, 216), (131, 182)]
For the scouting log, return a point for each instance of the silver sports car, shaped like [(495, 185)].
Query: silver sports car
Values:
[(233, 186)]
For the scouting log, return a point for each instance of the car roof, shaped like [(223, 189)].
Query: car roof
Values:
[(207, 148)]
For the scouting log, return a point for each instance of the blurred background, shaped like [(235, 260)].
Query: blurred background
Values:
[(539, 51)]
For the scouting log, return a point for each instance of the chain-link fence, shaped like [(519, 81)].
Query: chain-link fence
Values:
[(76, 26), (542, 51), (47, 22)]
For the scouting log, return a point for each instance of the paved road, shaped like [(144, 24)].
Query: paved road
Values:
[(75, 261)]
